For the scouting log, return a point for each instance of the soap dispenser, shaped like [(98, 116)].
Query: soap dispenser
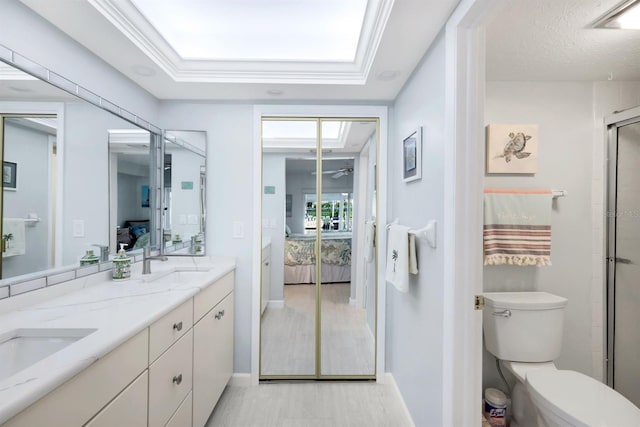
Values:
[(121, 264), (89, 258)]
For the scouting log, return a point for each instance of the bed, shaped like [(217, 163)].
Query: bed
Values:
[(134, 234), (300, 258)]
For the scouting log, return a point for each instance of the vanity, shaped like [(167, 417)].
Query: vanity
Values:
[(156, 350)]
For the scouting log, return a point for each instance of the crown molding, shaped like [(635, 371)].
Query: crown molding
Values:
[(128, 20)]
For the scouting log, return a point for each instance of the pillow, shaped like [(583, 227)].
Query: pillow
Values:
[(138, 230), (142, 241), (123, 236), (138, 223)]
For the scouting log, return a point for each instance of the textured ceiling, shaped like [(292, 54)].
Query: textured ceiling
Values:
[(551, 40)]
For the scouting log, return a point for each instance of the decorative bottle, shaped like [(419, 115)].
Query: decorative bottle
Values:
[(89, 258), (121, 265)]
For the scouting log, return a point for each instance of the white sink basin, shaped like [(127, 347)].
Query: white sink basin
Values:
[(21, 348)]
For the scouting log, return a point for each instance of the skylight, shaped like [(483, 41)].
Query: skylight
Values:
[(244, 30)]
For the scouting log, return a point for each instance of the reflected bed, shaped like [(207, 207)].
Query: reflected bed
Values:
[(299, 258)]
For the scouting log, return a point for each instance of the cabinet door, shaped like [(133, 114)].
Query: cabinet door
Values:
[(129, 408), (212, 358)]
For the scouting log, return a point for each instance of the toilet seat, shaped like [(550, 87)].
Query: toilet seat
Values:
[(579, 400)]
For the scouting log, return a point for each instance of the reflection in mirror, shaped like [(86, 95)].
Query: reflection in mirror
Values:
[(318, 312), (29, 200), (55, 199), (130, 175), (184, 191)]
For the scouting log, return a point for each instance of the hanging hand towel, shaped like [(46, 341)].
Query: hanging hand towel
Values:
[(413, 258), (369, 238), (13, 234), (398, 257), (517, 227)]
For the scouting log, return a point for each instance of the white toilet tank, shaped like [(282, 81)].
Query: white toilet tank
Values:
[(523, 326)]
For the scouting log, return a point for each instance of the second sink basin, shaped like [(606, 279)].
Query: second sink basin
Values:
[(23, 347)]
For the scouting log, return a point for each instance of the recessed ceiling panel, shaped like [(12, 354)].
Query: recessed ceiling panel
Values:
[(241, 30)]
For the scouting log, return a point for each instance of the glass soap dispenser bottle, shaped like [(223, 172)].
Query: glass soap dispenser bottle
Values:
[(121, 265)]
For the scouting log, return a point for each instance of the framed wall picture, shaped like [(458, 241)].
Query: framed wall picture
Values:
[(144, 196), (512, 149), (412, 156), (9, 175)]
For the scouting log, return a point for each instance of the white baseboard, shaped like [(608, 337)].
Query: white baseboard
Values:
[(276, 303), (353, 302), (389, 380), (240, 380)]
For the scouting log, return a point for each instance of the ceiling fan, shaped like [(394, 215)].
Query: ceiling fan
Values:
[(343, 171)]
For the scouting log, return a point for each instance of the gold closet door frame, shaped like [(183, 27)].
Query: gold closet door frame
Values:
[(4, 116), (318, 242)]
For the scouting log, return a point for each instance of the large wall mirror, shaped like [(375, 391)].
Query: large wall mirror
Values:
[(58, 176), (184, 184)]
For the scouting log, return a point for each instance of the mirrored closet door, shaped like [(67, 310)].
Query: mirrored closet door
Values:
[(318, 316)]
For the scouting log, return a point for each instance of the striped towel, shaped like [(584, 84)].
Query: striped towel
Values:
[(517, 227)]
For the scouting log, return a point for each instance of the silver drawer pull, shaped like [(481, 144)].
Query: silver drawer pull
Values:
[(505, 313), (177, 379), (177, 326)]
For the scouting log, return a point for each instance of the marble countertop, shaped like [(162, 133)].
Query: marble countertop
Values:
[(118, 310)]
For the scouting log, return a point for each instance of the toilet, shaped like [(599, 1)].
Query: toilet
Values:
[(524, 331)]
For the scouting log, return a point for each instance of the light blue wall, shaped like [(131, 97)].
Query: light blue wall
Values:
[(414, 319), (230, 197)]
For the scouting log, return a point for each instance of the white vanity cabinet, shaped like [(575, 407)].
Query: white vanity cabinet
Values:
[(212, 349), (77, 401), (266, 277), (171, 374), (129, 408)]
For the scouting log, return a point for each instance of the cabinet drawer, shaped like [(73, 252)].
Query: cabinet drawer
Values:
[(211, 296), (182, 417), (79, 399), (170, 380), (167, 330), (129, 408)]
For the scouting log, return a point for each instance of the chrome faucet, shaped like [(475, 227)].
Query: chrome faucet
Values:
[(104, 252), (146, 259)]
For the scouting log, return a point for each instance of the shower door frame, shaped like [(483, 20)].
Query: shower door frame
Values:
[(612, 124)]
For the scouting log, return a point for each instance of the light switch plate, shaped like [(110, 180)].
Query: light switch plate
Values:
[(78, 228), (238, 230)]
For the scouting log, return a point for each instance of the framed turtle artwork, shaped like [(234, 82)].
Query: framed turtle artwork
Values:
[(512, 149)]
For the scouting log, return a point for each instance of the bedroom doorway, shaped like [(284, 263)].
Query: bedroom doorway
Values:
[(318, 313)]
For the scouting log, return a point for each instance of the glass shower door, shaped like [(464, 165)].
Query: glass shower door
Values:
[(626, 265)]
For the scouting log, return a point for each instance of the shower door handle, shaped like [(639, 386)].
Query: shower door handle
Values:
[(623, 260)]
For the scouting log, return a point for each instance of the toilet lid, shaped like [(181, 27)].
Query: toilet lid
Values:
[(580, 400)]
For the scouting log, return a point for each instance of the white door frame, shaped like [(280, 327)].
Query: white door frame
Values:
[(464, 158), (322, 111)]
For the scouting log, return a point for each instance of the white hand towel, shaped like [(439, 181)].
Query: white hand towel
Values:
[(14, 235), (398, 257), (369, 238), (413, 259)]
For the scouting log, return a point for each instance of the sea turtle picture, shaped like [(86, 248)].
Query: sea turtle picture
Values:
[(515, 147)]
